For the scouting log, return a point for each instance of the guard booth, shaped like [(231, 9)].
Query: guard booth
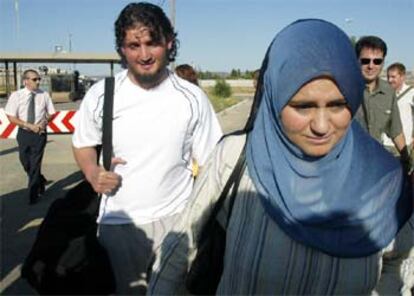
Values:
[(63, 87)]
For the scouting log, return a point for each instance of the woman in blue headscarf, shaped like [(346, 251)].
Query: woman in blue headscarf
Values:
[(319, 200)]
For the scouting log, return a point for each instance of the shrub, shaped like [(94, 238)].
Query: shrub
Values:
[(222, 89)]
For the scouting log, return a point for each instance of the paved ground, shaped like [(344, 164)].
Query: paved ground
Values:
[(20, 222)]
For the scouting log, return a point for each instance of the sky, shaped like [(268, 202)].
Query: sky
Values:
[(214, 35)]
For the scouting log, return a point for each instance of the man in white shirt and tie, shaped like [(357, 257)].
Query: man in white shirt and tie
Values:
[(30, 109)]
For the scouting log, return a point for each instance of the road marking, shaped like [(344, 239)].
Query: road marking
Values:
[(10, 278), (34, 223)]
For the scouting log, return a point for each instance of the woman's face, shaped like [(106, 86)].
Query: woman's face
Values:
[(316, 117)]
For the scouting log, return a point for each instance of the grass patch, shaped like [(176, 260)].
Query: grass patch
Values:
[(219, 103), (243, 89)]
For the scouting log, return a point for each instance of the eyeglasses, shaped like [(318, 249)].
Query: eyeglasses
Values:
[(35, 79), (365, 61)]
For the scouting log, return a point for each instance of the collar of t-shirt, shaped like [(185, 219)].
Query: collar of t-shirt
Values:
[(403, 88)]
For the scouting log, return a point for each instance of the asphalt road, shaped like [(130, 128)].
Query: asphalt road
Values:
[(20, 222)]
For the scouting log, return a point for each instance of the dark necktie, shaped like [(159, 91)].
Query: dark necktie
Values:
[(31, 110)]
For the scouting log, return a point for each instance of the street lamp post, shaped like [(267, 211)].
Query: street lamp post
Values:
[(172, 19)]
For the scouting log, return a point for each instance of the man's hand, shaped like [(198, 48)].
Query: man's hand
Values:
[(36, 128), (104, 181), (43, 125)]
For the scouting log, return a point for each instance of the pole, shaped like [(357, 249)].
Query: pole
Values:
[(70, 42), (8, 91), (70, 50), (16, 11), (172, 12), (16, 87), (172, 19)]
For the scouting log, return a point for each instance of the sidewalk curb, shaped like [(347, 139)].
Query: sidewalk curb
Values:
[(222, 112)]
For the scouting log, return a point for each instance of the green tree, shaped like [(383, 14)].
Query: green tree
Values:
[(222, 89), (233, 74)]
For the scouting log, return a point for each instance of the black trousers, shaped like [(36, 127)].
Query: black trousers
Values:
[(31, 149)]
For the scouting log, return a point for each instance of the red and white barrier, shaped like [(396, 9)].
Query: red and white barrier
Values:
[(61, 123), (7, 129)]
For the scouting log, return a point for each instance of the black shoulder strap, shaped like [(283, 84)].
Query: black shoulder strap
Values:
[(257, 95), (238, 173), (232, 182), (107, 122), (235, 177)]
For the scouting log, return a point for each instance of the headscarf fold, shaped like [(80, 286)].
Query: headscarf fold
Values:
[(348, 203)]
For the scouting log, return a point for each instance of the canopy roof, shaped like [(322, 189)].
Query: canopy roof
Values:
[(59, 57)]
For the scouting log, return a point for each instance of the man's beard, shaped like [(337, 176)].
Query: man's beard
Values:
[(152, 79)]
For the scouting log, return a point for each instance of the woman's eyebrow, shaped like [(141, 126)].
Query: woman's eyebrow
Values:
[(302, 103)]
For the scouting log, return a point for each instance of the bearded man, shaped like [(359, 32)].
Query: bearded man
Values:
[(160, 123)]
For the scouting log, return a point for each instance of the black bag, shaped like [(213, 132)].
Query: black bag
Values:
[(66, 257), (207, 268)]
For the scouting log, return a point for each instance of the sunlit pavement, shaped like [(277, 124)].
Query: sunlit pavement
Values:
[(20, 221)]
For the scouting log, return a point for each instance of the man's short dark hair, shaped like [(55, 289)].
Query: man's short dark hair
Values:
[(397, 66), (371, 42), (24, 75), (149, 15)]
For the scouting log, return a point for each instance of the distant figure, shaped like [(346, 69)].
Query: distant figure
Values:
[(187, 72), (160, 123), (78, 90), (405, 99), (379, 113), (30, 109), (319, 198)]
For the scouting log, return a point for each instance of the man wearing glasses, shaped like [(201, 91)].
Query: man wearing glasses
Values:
[(379, 113), (30, 109)]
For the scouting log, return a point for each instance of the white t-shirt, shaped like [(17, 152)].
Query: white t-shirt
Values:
[(157, 132), (405, 106)]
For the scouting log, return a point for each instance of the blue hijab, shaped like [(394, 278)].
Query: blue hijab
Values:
[(348, 203)]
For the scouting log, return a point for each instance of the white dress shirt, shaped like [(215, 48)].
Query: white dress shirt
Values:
[(18, 105)]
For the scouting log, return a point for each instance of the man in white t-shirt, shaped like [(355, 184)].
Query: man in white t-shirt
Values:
[(405, 95), (160, 122), (398, 264)]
